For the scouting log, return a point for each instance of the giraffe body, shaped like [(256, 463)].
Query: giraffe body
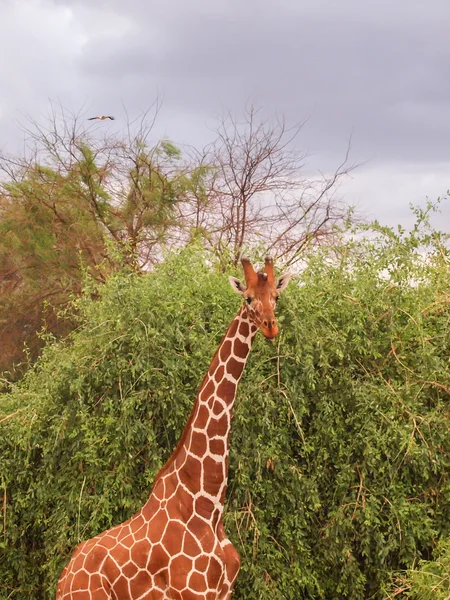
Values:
[(128, 562), (175, 547)]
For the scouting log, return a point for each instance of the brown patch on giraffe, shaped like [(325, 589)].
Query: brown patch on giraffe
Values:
[(217, 447), (226, 389), (81, 582), (225, 351), (171, 481), (219, 373), (158, 559), (233, 561), (218, 408), (202, 417), (121, 553), (141, 533), (111, 569), (130, 570), (140, 552), (127, 539), (213, 476), (141, 583), (191, 472), (181, 506), (137, 521), (224, 491), (179, 569), (217, 513), (93, 559), (173, 537), (207, 391), (120, 588), (201, 563), (156, 527), (151, 507), (158, 489), (80, 555), (234, 367), (161, 580), (100, 586), (197, 581), (214, 363), (203, 533), (240, 348), (199, 443), (107, 541), (204, 506), (244, 329), (218, 426), (191, 547), (233, 328), (214, 573), (180, 458)]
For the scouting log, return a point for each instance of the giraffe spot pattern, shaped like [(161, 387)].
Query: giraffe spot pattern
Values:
[(176, 546)]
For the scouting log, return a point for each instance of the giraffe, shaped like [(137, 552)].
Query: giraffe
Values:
[(175, 547)]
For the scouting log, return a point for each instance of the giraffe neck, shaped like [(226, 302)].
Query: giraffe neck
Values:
[(200, 460)]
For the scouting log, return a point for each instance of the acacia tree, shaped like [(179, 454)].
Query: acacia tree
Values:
[(254, 191), (81, 200)]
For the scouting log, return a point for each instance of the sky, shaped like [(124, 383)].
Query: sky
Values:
[(375, 72)]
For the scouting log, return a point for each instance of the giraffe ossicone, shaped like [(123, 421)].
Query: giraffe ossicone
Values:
[(175, 547)]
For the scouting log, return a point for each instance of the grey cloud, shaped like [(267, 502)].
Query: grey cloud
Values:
[(376, 71), (382, 76)]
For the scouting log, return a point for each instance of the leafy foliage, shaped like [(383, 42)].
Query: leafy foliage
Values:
[(340, 453), (430, 580), (88, 212)]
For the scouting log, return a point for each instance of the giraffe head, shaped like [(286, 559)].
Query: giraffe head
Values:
[(261, 291)]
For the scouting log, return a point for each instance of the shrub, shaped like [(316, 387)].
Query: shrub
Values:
[(340, 453)]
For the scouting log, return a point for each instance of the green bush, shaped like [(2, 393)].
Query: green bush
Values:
[(340, 448), (430, 580)]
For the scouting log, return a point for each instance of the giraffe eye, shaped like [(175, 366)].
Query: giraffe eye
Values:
[(248, 300)]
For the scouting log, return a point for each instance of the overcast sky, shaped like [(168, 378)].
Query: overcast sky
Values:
[(376, 71)]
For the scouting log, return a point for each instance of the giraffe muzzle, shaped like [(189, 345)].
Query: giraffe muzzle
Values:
[(269, 329)]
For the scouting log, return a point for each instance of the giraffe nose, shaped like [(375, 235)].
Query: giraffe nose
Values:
[(269, 328), (269, 323)]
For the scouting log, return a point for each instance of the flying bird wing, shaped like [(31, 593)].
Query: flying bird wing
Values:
[(102, 118)]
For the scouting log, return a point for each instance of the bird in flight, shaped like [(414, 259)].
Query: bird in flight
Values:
[(101, 118)]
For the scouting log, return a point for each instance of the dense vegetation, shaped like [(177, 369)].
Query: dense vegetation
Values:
[(340, 460)]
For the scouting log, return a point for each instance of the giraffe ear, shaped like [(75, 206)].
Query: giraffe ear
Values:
[(237, 285), (282, 281)]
